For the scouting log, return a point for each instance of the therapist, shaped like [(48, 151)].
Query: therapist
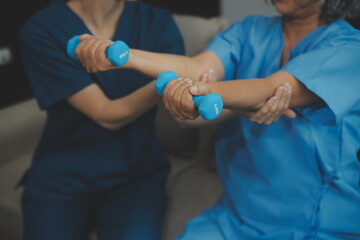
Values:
[(299, 177), (98, 164)]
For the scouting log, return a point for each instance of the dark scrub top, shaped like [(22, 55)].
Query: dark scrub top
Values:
[(76, 157), (296, 178)]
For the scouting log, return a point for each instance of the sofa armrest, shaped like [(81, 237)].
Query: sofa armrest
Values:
[(20, 129)]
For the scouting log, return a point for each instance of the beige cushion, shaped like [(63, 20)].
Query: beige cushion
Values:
[(188, 194), (20, 128), (197, 32)]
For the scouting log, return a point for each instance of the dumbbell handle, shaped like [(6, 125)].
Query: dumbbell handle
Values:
[(209, 106), (117, 53)]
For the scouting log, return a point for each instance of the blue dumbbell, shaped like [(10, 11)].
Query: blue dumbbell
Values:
[(117, 53), (209, 106)]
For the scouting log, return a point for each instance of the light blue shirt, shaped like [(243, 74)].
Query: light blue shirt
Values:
[(297, 178)]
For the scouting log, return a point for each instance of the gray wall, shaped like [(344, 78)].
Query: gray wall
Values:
[(235, 10)]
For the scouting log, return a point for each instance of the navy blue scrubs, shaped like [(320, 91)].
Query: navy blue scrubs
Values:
[(82, 175)]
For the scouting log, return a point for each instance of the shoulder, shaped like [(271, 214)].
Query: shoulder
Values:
[(147, 10), (149, 20), (252, 27), (341, 33), (155, 24), (41, 22)]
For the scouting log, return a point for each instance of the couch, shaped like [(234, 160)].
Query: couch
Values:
[(192, 185)]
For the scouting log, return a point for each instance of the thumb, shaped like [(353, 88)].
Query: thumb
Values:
[(200, 89), (85, 36), (289, 113), (212, 75)]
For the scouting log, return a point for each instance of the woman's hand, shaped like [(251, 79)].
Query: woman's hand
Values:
[(274, 108), (178, 99), (91, 54), (208, 76)]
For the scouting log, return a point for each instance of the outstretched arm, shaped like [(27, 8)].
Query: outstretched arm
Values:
[(91, 53), (113, 114), (249, 95)]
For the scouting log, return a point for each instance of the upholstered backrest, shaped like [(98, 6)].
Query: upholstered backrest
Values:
[(20, 129)]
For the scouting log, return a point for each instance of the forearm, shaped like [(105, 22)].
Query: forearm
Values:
[(152, 64), (91, 53), (120, 112), (113, 114), (251, 94), (244, 94)]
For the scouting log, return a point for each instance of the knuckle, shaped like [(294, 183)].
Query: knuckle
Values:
[(280, 107), (188, 105), (78, 51), (176, 98)]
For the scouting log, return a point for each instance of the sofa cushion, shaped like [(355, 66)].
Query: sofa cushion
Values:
[(190, 143), (188, 194), (20, 128), (197, 32)]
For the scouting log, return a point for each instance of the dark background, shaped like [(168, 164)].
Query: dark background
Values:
[(13, 84)]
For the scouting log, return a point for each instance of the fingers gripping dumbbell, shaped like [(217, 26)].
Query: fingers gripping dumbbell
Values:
[(209, 106), (117, 53)]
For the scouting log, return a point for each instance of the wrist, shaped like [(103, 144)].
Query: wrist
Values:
[(131, 61), (214, 88)]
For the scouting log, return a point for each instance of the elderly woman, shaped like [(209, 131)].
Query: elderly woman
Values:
[(297, 178)]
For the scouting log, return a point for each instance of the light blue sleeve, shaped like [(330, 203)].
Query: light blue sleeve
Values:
[(228, 46), (333, 74)]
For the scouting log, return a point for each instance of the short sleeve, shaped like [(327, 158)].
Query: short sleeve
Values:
[(171, 40), (53, 75), (333, 74), (228, 46)]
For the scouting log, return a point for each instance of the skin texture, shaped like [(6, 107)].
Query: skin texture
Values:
[(299, 18), (101, 17)]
